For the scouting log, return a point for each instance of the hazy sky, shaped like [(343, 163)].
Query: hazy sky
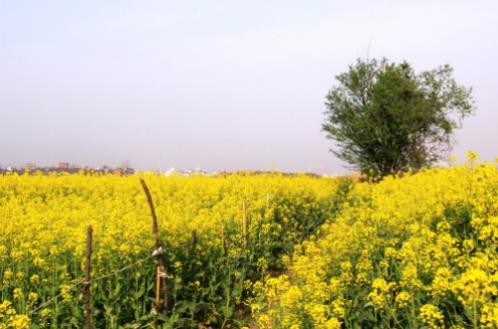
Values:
[(218, 84)]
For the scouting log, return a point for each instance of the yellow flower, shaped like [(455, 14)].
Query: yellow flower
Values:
[(489, 316), (333, 323), (409, 277), (32, 297), (66, 292), (5, 308), (474, 285), (380, 294), (291, 297), (20, 322), (432, 316), (338, 309), (403, 299), (471, 156), (442, 282), (17, 293), (35, 278), (7, 275)]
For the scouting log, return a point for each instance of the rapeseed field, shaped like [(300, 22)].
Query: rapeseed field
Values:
[(418, 251), (219, 234), (264, 251)]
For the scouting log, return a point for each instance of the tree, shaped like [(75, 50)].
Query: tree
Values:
[(386, 119)]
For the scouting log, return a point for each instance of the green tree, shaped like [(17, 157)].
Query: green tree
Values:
[(386, 119)]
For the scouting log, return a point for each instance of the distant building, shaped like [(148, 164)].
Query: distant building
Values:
[(170, 172), (63, 165)]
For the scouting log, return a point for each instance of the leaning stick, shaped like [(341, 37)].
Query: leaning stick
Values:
[(160, 270)]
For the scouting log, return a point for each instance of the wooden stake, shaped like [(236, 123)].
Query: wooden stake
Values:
[(244, 225), (158, 287), (88, 278), (161, 283)]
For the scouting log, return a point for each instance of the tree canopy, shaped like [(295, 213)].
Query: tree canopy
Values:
[(385, 119)]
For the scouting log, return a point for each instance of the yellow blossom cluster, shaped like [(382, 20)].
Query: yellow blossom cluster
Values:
[(414, 251), (9, 319), (432, 316), (218, 233)]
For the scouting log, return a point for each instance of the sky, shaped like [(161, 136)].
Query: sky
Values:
[(220, 85)]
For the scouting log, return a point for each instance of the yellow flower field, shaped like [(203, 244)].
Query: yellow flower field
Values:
[(42, 244), (419, 251)]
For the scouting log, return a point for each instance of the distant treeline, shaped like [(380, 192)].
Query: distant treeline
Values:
[(57, 170), (131, 171)]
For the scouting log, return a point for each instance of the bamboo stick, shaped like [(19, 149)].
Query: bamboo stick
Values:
[(88, 278)]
